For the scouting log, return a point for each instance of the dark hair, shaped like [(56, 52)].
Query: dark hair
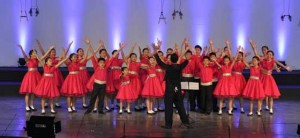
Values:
[(270, 51), (132, 54), (189, 51), (101, 59), (123, 68), (225, 47), (174, 58), (255, 57), (265, 47), (145, 49), (241, 53), (150, 58), (206, 57), (46, 60), (169, 49), (160, 52), (212, 54), (114, 51), (197, 46), (31, 52), (226, 57), (79, 49), (102, 50), (73, 54)]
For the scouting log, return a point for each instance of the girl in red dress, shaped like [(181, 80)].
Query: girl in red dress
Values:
[(144, 59), (161, 75), (126, 91), (152, 87), (239, 79), (47, 87), (72, 86), (225, 88), (113, 84), (57, 73), (254, 88), (134, 68), (85, 76), (31, 79), (268, 63)]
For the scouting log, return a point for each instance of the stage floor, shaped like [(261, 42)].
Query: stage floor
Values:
[(282, 124)]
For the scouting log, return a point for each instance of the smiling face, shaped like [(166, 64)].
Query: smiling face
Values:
[(103, 53), (264, 50), (133, 58), (188, 55), (206, 62), (270, 55), (152, 61), (198, 51), (255, 61), (125, 71), (145, 52), (240, 56), (49, 62), (80, 52), (226, 61), (52, 53)]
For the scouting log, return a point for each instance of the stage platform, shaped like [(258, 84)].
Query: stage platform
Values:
[(283, 123)]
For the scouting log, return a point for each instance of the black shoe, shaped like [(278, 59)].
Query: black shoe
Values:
[(224, 107), (46, 106), (101, 112), (53, 112), (188, 126), (84, 106), (88, 111), (150, 113), (57, 106), (166, 127), (74, 110), (32, 109), (160, 109), (43, 113), (28, 110)]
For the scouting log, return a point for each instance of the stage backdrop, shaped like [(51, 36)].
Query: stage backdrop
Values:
[(129, 21)]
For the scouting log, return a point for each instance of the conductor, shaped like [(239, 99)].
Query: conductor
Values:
[(173, 90)]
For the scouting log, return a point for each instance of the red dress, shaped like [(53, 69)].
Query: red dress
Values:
[(143, 72), (84, 74), (269, 84), (72, 85), (161, 76), (254, 89), (31, 78), (57, 73), (135, 79), (225, 87), (114, 73), (237, 74), (152, 87), (126, 92), (47, 87)]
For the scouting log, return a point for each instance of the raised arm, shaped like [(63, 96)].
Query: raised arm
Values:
[(253, 45), (140, 51), (131, 51), (159, 62), (85, 57), (64, 59), (283, 66), (23, 52), (47, 53), (122, 51), (39, 59), (40, 47), (69, 46)]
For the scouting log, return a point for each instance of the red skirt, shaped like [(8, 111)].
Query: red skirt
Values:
[(73, 86), (126, 93), (254, 90), (47, 88), (225, 88), (137, 85), (110, 87), (58, 78), (85, 76), (152, 88), (29, 82), (90, 83), (143, 76), (270, 86), (239, 82)]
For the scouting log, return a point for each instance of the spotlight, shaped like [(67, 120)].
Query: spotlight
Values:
[(174, 15), (180, 14), (37, 12), (290, 18), (30, 11), (282, 17), (21, 62)]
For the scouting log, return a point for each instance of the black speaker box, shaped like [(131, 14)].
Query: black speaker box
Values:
[(42, 126)]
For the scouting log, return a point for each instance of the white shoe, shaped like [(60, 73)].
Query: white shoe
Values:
[(43, 112), (250, 114), (128, 111), (267, 108), (155, 109), (220, 112), (70, 110), (258, 113), (271, 111), (120, 111)]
